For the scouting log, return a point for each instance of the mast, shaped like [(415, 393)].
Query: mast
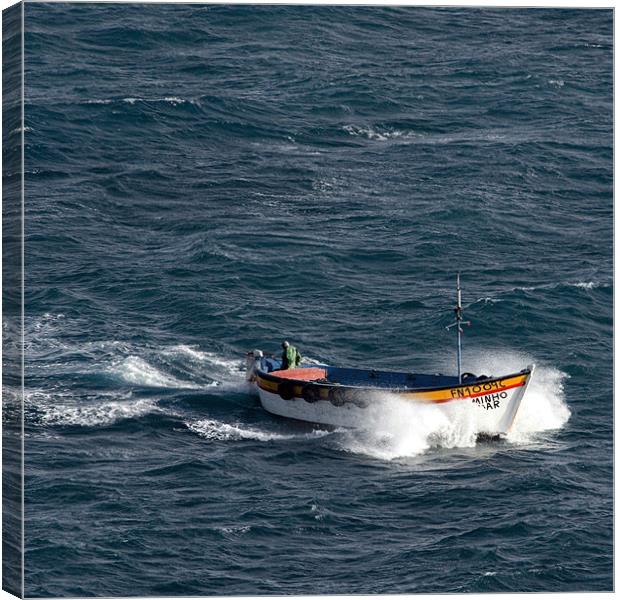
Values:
[(458, 311)]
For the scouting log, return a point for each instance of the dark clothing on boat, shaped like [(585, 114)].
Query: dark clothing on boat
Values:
[(290, 358)]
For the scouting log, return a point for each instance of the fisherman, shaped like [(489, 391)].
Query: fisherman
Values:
[(290, 356)]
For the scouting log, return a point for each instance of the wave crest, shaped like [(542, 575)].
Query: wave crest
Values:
[(48, 408), (212, 429), (138, 371)]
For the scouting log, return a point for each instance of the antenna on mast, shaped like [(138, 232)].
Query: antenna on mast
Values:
[(458, 311)]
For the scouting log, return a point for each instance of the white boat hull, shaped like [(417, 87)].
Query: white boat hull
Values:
[(491, 406)]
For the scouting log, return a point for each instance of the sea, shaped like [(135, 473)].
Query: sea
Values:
[(203, 180)]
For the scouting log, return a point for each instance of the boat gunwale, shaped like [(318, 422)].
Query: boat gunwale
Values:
[(275, 378)]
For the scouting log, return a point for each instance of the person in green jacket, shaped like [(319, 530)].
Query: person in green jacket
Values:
[(290, 356)]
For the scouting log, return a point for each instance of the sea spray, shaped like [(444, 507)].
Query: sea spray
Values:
[(543, 407), (392, 427)]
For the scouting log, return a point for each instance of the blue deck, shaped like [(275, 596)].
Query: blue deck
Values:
[(387, 379), (372, 378)]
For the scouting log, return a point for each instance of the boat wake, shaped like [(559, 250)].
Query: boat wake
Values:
[(52, 352), (137, 371), (215, 430), (102, 382), (180, 367), (101, 414), (61, 408)]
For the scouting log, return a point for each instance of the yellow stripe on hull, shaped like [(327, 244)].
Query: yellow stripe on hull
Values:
[(496, 386), (470, 391)]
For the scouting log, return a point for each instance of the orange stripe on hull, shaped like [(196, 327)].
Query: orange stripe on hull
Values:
[(486, 393), (440, 396), (508, 387)]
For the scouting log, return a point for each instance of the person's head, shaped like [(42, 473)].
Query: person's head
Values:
[(285, 344)]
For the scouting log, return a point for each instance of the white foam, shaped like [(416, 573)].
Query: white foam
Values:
[(543, 407), (46, 321), (212, 429), (411, 137), (373, 134), (235, 529), (174, 100), (489, 300), (64, 407), (89, 415), (526, 288), (20, 130), (586, 285), (228, 374), (318, 513), (394, 428), (229, 365), (308, 360), (136, 370)]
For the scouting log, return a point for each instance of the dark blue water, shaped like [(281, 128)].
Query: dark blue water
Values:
[(205, 180)]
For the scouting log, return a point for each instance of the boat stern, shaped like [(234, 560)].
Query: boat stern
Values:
[(252, 365)]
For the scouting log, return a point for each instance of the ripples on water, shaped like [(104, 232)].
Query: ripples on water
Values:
[(204, 180)]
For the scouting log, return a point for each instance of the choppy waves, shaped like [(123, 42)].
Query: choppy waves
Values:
[(391, 429), (205, 180)]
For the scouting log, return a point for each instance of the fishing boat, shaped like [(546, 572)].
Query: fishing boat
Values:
[(338, 396)]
